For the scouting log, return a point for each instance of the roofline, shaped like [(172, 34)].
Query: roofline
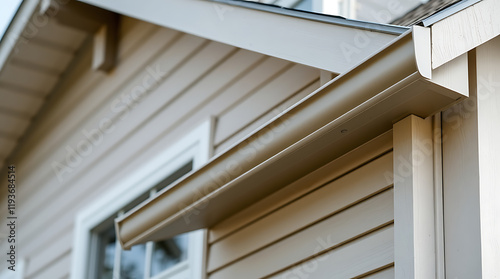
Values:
[(352, 108), (325, 42), (15, 30), (332, 19), (2, 36), (466, 24), (453, 9)]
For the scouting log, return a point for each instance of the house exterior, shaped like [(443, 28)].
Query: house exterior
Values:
[(228, 139)]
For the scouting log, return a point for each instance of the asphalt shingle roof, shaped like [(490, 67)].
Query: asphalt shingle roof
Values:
[(423, 11)]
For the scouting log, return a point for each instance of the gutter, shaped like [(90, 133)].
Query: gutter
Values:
[(344, 113)]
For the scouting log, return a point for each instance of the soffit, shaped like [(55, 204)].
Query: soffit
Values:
[(325, 42), (35, 52)]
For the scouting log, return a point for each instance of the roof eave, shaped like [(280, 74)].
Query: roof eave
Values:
[(14, 32), (344, 113), (459, 32), (310, 39)]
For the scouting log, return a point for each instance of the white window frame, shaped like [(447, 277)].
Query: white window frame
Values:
[(195, 146)]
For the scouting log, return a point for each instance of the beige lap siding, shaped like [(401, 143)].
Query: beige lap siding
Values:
[(199, 79), (335, 222)]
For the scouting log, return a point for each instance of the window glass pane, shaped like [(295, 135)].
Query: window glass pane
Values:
[(132, 262), (175, 176), (169, 253), (107, 244)]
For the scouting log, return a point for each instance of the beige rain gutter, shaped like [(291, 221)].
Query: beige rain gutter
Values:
[(342, 114)]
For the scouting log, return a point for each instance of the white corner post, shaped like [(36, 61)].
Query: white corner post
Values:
[(414, 203), (471, 171), (488, 92)]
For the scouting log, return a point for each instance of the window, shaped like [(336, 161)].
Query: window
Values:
[(98, 255), (151, 260)]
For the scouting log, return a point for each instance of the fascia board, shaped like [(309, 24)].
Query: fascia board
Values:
[(457, 7), (326, 46), (464, 31), (344, 113), (332, 19)]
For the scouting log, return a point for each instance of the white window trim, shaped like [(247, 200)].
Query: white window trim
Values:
[(195, 146)]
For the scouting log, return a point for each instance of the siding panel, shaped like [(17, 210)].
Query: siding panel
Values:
[(86, 99), (247, 130), (52, 250), (54, 189), (323, 236), (202, 79), (331, 198), (383, 274), (331, 171), (117, 150), (263, 100), (57, 269), (337, 222), (368, 253)]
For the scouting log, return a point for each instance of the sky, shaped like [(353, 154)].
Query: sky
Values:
[(7, 10)]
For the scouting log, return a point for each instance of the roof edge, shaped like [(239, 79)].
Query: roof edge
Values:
[(331, 19), (352, 108), (309, 39), (15, 30), (455, 33), (453, 9)]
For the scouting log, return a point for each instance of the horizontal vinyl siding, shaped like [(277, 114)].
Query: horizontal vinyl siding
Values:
[(350, 260), (261, 120), (326, 227), (330, 234), (293, 78), (387, 273), (57, 268), (202, 79)]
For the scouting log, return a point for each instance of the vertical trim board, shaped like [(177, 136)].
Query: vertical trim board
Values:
[(461, 185), (414, 198), (488, 102)]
